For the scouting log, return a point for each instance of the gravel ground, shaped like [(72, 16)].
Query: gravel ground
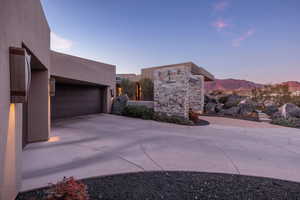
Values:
[(183, 185)]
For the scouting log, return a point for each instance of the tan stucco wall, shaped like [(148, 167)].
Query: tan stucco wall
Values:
[(20, 21), (72, 67)]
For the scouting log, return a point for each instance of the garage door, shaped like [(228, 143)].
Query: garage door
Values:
[(74, 100)]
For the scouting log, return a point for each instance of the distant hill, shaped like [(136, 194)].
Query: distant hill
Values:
[(231, 85), (293, 85)]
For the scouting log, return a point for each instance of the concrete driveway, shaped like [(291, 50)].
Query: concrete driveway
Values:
[(107, 144)]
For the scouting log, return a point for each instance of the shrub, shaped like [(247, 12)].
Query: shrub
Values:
[(148, 113), (68, 189), (223, 99), (128, 87), (147, 88), (138, 112), (194, 117), (288, 122), (162, 117)]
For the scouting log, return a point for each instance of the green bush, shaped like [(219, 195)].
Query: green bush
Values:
[(128, 87), (147, 113), (171, 119), (138, 112), (147, 88), (289, 122)]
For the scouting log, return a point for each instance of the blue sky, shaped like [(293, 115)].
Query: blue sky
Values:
[(257, 40)]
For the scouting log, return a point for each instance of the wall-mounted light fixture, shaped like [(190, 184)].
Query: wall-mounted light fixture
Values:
[(20, 74), (112, 94), (52, 86)]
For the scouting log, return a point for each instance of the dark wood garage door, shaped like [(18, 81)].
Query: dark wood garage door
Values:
[(74, 100)]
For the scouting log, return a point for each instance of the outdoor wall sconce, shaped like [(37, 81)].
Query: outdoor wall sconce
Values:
[(112, 93), (20, 74), (52, 86)]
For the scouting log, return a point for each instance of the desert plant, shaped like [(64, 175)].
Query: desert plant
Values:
[(147, 88), (279, 94), (138, 112), (128, 87), (68, 189)]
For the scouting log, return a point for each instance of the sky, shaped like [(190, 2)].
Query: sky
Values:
[(257, 40)]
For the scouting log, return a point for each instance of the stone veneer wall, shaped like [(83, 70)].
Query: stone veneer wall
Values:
[(176, 90), (196, 98), (171, 91)]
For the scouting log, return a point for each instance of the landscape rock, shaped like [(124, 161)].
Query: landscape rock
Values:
[(247, 107), (210, 99), (232, 101), (271, 110), (219, 108), (119, 104), (289, 110), (269, 103), (233, 111), (210, 108)]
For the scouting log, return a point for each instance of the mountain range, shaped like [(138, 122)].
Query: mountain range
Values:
[(243, 85)]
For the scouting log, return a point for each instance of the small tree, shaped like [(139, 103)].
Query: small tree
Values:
[(147, 88), (128, 87)]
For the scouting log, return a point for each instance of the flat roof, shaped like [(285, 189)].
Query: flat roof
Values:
[(195, 69)]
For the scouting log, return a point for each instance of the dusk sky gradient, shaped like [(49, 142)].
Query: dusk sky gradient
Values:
[(257, 40)]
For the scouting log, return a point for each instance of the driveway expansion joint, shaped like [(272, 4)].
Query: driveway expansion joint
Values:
[(228, 158), (150, 158), (132, 163)]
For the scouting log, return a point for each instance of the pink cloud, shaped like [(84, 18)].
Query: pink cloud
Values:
[(221, 5), (237, 42), (220, 24)]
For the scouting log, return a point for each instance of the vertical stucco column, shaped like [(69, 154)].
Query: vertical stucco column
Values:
[(38, 107)]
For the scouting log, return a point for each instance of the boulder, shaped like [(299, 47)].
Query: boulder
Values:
[(209, 99), (210, 108), (271, 110), (269, 103), (276, 115), (119, 104), (289, 110), (233, 111), (247, 107), (219, 108), (232, 101)]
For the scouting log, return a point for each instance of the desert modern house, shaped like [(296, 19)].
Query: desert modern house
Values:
[(149, 73), (37, 85), (178, 88)]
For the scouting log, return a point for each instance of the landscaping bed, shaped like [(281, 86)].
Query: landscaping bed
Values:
[(180, 186), (143, 112)]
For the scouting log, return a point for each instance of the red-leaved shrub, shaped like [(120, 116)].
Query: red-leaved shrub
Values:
[(68, 189)]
